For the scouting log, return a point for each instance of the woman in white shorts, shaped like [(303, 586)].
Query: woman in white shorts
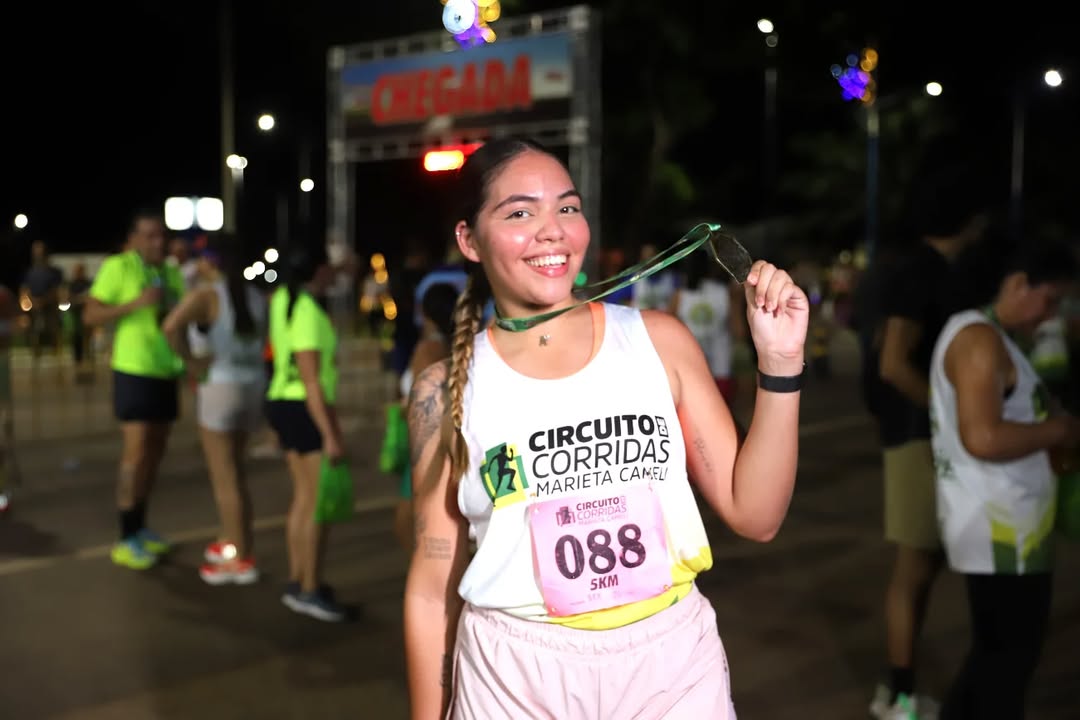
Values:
[(219, 328), (567, 450)]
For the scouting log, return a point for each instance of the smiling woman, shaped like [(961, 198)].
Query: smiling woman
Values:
[(571, 466)]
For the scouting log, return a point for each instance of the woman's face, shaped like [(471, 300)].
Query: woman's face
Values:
[(530, 234)]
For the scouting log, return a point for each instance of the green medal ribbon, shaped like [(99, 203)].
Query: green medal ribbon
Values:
[(725, 249)]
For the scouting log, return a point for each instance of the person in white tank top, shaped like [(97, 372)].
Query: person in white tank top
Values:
[(991, 428), (568, 450), (224, 317), (654, 292), (711, 308)]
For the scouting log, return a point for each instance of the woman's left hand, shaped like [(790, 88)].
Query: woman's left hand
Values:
[(778, 312)]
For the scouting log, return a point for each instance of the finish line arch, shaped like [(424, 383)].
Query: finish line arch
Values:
[(401, 97)]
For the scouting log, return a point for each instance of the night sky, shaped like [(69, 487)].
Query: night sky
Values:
[(112, 106)]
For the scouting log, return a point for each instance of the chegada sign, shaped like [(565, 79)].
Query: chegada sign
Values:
[(520, 80), (426, 96)]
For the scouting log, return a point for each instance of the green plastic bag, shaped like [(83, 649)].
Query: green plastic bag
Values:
[(1068, 505), (394, 455), (334, 502)]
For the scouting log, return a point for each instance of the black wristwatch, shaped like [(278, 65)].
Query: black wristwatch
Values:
[(781, 383)]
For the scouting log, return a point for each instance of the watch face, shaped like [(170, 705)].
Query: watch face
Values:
[(459, 15)]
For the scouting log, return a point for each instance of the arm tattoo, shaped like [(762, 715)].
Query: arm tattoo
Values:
[(427, 404), (699, 445), (437, 548)]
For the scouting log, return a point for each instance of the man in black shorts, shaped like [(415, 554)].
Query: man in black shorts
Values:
[(135, 289)]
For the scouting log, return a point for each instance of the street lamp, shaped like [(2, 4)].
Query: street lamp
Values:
[(858, 83), (236, 162), (307, 185), (179, 213), (266, 122), (209, 213), (1053, 79), (21, 221), (184, 213)]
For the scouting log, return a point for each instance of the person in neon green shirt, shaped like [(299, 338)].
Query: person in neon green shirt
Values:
[(135, 289), (300, 408)]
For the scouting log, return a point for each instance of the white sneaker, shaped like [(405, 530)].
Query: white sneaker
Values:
[(880, 704)]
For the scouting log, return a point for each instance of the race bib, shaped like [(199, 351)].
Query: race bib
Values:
[(597, 553)]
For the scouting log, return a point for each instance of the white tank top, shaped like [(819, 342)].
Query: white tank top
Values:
[(597, 451), (1050, 353), (705, 312), (235, 359), (654, 293), (996, 517)]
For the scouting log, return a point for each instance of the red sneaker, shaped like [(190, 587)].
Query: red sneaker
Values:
[(238, 571), (219, 551)]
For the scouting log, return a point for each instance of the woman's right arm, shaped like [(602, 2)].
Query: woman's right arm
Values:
[(197, 306), (440, 551)]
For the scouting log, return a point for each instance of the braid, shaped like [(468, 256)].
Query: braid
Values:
[(467, 314)]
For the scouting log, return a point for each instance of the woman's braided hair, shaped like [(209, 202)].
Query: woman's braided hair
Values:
[(467, 316), (474, 181)]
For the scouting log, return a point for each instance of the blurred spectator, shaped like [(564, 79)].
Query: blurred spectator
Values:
[(403, 284), (180, 257), (77, 288), (42, 286), (919, 294), (712, 308), (656, 291)]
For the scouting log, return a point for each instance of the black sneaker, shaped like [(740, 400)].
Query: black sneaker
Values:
[(317, 605)]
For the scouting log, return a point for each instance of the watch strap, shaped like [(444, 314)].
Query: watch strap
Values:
[(781, 383)]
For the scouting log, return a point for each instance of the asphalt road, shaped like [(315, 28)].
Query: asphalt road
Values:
[(83, 640)]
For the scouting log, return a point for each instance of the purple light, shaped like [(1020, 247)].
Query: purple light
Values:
[(470, 38), (473, 36), (854, 83)]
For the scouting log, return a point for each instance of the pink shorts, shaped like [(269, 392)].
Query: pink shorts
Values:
[(671, 665)]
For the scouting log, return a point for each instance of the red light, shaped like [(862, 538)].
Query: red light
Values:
[(448, 158)]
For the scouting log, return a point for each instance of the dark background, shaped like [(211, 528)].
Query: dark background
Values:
[(111, 106)]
